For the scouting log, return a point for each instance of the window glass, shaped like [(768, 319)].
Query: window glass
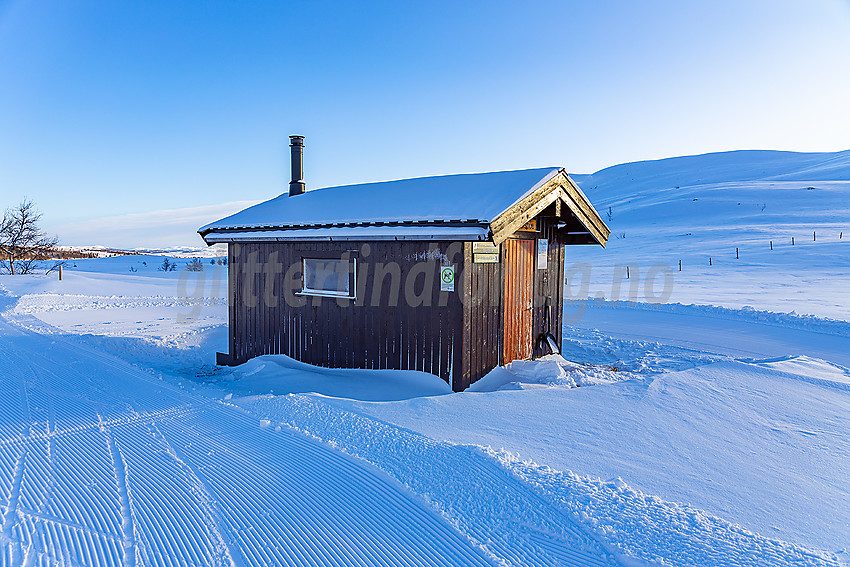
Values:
[(328, 276)]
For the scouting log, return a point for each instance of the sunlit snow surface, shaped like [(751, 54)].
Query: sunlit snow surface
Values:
[(105, 463), (721, 438), (725, 209)]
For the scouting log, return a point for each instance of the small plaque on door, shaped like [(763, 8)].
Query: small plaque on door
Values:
[(485, 258), (484, 248)]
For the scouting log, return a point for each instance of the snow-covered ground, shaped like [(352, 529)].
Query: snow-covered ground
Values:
[(695, 208), (104, 464), (721, 438)]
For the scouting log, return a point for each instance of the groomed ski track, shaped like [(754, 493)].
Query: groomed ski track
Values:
[(102, 464)]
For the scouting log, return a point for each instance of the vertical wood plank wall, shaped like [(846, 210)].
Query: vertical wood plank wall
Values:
[(482, 317), (342, 333), (460, 341)]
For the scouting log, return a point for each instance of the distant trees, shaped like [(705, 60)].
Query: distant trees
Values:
[(193, 265), (22, 242)]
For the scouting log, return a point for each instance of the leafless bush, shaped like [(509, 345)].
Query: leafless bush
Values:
[(22, 242)]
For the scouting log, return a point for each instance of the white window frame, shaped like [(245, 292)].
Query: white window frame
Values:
[(352, 279)]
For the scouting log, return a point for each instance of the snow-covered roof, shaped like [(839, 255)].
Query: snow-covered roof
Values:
[(475, 196), (464, 200)]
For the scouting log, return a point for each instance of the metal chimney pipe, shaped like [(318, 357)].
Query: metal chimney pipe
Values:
[(296, 146)]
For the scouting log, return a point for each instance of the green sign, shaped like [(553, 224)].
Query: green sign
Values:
[(447, 278)]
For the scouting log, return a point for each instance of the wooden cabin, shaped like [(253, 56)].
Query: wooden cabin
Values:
[(452, 275)]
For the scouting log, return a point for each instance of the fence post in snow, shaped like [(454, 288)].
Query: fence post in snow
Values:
[(736, 254), (680, 265), (792, 241), (709, 260), (771, 245), (60, 273), (814, 236), (627, 271)]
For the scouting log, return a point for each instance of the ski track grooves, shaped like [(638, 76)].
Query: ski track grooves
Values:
[(225, 538), (102, 464), (128, 538), (512, 522), (11, 550)]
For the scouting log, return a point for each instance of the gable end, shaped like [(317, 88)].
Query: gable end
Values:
[(559, 189)]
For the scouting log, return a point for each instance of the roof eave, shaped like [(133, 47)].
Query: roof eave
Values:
[(470, 229)]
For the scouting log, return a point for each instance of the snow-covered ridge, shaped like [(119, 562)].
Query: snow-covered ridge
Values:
[(713, 168), (765, 229), (745, 190)]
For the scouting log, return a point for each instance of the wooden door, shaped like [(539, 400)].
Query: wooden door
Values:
[(519, 278)]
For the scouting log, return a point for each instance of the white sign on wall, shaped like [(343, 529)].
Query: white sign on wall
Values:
[(447, 278), (542, 253)]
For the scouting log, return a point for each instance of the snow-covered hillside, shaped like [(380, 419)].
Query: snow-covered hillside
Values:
[(696, 208), (720, 439)]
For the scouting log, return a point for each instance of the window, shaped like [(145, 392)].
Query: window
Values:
[(331, 277)]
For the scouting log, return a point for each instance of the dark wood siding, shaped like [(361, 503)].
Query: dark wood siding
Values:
[(458, 335), (266, 317), (482, 317)]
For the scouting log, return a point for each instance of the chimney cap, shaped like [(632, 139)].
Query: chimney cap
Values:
[(296, 140)]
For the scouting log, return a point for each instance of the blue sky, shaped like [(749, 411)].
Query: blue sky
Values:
[(112, 112)]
